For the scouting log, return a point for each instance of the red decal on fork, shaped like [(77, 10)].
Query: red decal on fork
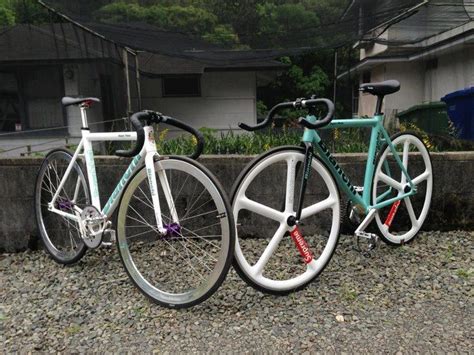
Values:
[(392, 213), (302, 246)]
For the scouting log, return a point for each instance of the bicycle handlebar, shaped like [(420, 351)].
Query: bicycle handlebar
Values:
[(156, 117), (299, 103), (138, 127), (179, 124)]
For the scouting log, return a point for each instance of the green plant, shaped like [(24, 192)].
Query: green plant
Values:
[(343, 141), (73, 329), (464, 274), (347, 293)]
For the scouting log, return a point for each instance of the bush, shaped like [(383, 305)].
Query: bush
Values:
[(342, 141), (7, 17)]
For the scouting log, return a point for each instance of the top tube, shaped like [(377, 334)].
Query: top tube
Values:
[(354, 122)]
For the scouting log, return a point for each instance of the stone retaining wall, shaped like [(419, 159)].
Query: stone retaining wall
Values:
[(452, 203)]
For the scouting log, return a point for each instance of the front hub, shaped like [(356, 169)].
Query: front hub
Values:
[(291, 221)]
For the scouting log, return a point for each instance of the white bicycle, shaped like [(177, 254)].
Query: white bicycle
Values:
[(175, 229)]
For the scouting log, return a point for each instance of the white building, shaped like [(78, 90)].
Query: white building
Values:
[(428, 47), (40, 64)]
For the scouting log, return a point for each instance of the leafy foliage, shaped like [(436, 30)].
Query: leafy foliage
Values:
[(7, 16), (19, 11), (345, 141)]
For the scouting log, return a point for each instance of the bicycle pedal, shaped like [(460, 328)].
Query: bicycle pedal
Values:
[(111, 238), (373, 240)]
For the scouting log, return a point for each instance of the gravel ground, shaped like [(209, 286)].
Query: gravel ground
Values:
[(416, 298)]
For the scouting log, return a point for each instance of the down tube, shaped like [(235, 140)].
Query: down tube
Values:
[(337, 172), (111, 204)]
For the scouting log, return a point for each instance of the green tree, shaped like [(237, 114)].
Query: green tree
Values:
[(7, 16), (222, 35)]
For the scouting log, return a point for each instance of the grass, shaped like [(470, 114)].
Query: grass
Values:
[(73, 329), (347, 293), (463, 273)]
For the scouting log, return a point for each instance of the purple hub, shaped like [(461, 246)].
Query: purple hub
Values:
[(65, 205), (173, 230)]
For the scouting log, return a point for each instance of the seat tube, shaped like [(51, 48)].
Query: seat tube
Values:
[(91, 170), (370, 167)]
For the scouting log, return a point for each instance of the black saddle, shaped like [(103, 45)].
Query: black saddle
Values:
[(68, 101), (381, 89)]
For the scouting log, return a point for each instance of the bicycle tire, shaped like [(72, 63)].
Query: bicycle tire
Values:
[(398, 235), (153, 280), (241, 264), (52, 238)]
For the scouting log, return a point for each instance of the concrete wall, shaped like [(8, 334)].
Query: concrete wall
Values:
[(452, 203), (227, 98)]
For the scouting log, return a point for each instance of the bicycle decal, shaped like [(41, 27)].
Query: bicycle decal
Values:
[(392, 213), (302, 245)]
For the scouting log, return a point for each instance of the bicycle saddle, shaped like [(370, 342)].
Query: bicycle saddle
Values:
[(380, 89), (68, 101)]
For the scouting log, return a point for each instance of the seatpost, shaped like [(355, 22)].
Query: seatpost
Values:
[(83, 109), (378, 108)]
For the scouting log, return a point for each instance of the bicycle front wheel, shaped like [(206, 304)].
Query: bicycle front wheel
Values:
[(186, 265), (264, 197)]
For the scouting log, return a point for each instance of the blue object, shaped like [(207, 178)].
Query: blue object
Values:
[(461, 111)]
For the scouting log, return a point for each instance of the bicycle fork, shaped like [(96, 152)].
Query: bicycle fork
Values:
[(295, 233), (167, 226)]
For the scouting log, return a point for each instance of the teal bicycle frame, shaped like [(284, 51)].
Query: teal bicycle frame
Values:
[(378, 135)]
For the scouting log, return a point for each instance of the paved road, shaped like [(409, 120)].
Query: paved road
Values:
[(414, 298)]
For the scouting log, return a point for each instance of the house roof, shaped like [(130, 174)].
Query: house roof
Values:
[(399, 22), (443, 43), (431, 27), (161, 52)]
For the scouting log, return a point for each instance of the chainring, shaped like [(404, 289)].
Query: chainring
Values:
[(93, 225)]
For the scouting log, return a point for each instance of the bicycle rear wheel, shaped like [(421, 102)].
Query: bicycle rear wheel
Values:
[(61, 236), (188, 264), (400, 222), (263, 197)]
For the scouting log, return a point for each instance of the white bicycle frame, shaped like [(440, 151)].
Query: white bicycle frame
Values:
[(146, 156)]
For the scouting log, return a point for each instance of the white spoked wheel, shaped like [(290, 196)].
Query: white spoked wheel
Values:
[(400, 222), (265, 195), (186, 265), (61, 236)]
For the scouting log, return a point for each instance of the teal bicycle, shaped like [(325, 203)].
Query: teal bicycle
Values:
[(287, 204)]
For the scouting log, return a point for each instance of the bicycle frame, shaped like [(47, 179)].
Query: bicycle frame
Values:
[(146, 156), (377, 130)]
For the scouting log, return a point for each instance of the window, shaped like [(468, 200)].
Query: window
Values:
[(29, 98), (181, 86)]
